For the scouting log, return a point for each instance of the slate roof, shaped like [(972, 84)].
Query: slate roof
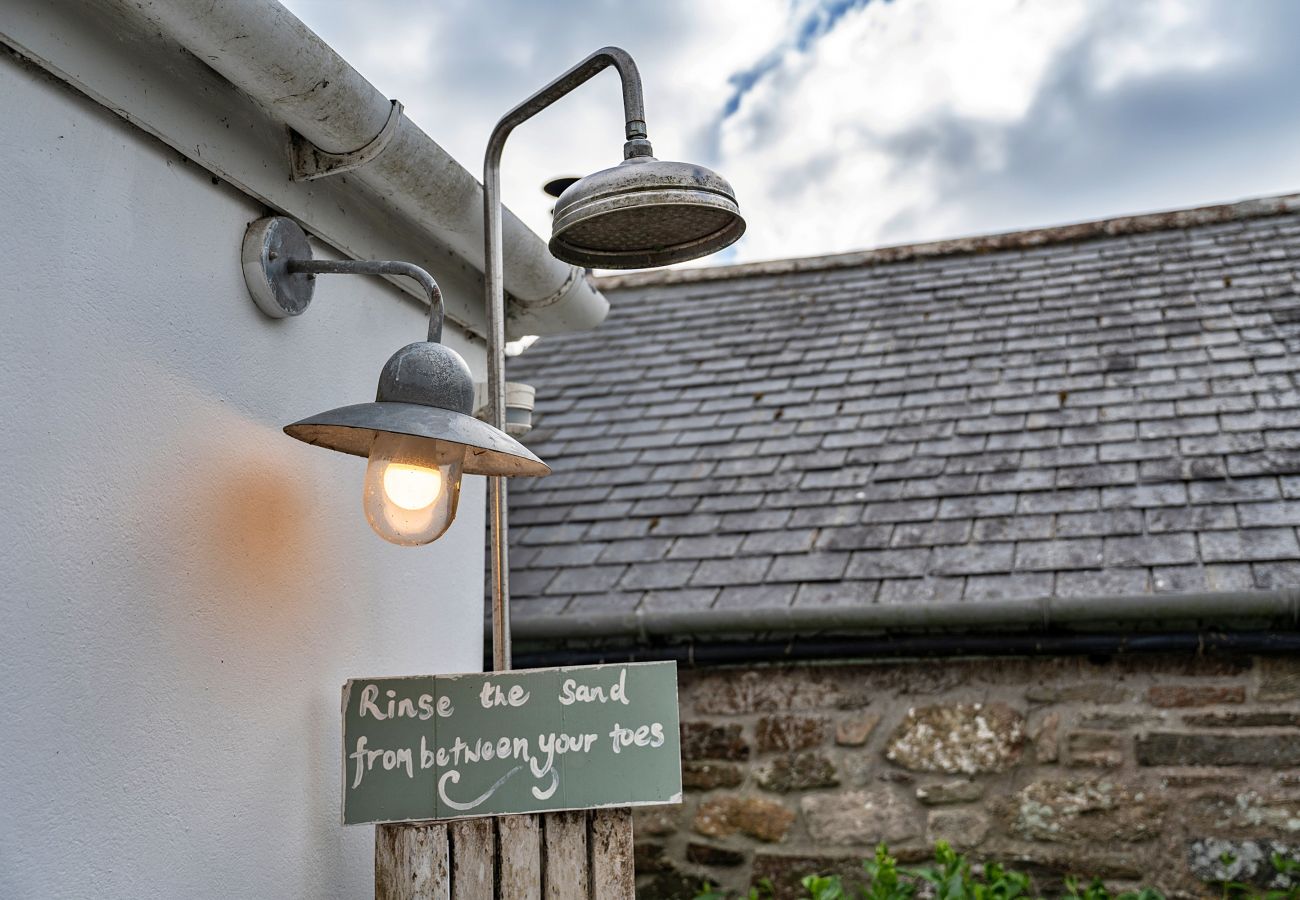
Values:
[(1109, 408)]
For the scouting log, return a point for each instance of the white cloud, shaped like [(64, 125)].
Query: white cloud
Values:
[(1159, 36), (829, 148), (845, 124)]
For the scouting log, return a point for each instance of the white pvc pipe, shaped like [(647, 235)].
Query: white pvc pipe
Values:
[(263, 49)]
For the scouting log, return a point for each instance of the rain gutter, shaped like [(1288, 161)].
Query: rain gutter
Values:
[(1244, 609), (1255, 622), (396, 173), (794, 650)]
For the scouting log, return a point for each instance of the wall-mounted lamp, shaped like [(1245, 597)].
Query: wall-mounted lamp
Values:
[(642, 212), (420, 434)]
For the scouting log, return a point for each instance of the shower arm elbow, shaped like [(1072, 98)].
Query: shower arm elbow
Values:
[(637, 142)]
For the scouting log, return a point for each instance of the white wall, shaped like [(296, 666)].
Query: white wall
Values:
[(183, 589)]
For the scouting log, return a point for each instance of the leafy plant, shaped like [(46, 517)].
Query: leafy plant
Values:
[(1285, 865), (824, 887), (885, 883), (953, 877), (761, 891)]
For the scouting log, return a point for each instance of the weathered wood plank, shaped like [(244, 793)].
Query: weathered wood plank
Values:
[(565, 852), (473, 859), (411, 862), (519, 848), (613, 875)]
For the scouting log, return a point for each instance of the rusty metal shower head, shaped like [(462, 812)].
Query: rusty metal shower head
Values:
[(645, 212)]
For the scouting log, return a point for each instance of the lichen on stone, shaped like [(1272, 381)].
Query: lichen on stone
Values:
[(1077, 810), (961, 738)]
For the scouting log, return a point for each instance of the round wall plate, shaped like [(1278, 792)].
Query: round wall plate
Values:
[(269, 244)]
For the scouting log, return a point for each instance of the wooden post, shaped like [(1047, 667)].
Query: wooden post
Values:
[(519, 856), (583, 855), (473, 859), (613, 871), (565, 849), (411, 862)]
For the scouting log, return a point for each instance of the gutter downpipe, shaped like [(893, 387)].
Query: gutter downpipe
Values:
[(1044, 614), (263, 49)]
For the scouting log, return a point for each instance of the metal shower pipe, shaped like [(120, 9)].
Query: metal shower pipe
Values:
[(494, 288)]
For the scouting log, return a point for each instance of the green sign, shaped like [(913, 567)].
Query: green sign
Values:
[(453, 746)]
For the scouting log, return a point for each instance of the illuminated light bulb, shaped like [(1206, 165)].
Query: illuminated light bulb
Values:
[(411, 487)]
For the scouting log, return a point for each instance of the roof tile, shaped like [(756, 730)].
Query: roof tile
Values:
[(1090, 417), (723, 572), (819, 566)]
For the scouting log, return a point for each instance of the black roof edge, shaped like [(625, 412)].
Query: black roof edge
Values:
[(1106, 644), (1165, 611)]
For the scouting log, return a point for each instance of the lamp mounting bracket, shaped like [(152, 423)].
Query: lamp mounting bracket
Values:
[(281, 274), (269, 245), (310, 162)]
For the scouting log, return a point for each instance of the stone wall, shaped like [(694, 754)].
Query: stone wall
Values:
[(1141, 769)]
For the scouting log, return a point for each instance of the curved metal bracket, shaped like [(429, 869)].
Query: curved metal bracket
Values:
[(310, 162), (281, 274)]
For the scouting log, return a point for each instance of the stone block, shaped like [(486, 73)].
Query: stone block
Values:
[(763, 820), (1257, 719), (656, 820), (1085, 810), (706, 776), (860, 818), (1102, 749), (1047, 746), (798, 772), (705, 740), (1049, 865), (1218, 860), (1164, 748), (1084, 692), (650, 857), (789, 732), (668, 885), (1277, 813), (1118, 720), (854, 731), (709, 855), (1200, 779), (786, 872), (962, 828), (771, 690), (1172, 696), (965, 738), (1279, 679), (949, 792)]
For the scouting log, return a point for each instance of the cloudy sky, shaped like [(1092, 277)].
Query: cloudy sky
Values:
[(847, 124)]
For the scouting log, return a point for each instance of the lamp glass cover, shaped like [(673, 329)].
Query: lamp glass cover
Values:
[(412, 486)]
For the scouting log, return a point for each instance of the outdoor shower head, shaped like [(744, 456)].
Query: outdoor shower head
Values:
[(644, 213)]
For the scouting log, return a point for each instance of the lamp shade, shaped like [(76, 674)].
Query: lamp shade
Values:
[(425, 391)]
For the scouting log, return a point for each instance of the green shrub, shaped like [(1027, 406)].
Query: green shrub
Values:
[(952, 877)]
